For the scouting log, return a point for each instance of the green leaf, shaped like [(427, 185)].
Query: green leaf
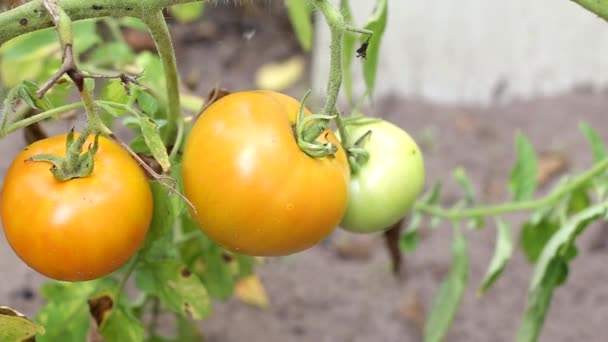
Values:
[(577, 201), (450, 292), (178, 289), (115, 320), (111, 54), (85, 35), (300, 16), (348, 50), (502, 255), (539, 300), (535, 234), (147, 103), (409, 241), (153, 76), (464, 181), (28, 94), (151, 134), (15, 327), (564, 237), (65, 315), (523, 176), (597, 146), (187, 330), (377, 24), (206, 260), (114, 91), (164, 216), (189, 12)]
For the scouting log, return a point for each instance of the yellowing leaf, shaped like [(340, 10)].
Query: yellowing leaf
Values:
[(281, 75), (250, 290), (15, 327)]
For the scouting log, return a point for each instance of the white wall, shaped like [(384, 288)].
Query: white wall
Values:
[(465, 51)]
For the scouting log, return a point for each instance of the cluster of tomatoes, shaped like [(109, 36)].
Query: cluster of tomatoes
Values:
[(252, 188)]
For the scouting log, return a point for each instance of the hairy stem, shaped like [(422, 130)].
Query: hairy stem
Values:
[(337, 27), (458, 214), (160, 33)]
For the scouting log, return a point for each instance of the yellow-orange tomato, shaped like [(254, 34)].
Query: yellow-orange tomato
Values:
[(255, 192), (80, 229)]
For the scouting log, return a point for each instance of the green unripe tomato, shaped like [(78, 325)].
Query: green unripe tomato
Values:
[(386, 186)]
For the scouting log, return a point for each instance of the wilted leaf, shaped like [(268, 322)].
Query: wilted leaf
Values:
[(280, 75), (176, 286), (15, 327), (300, 15), (115, 321), (449, 295), (250, 290), (523, 176), (502, 255)]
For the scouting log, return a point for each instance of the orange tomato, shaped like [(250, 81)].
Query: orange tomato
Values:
[(254, 190), (80, 229)]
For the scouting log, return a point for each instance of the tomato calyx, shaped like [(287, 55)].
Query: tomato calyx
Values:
[(308, 129), (75, 164), (357, 154)]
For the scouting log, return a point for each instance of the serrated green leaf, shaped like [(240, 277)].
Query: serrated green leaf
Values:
[(189, 12), (450, 293), (502, 255), (523, 176), (377, 24), (114, 91), (28, 94), (348, 51), (65, 315), (300, 16), (409, 241), (151, 134), (115, 320), (15, 327), (535, 234), (178, 289), (597, 146)]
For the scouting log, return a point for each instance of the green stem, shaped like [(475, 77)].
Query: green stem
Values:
[(599, 7), (160, 33), (337, 27), (458, 214), (32, 16), (10, 128)]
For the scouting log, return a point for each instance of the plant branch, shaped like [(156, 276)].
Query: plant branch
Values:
[(458, 214), (160, 33), (32, 16)]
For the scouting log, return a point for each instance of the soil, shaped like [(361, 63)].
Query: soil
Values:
[(342, 289)]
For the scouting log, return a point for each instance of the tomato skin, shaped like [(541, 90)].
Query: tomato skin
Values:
[(387, 185), (255, 192), (80, 229)]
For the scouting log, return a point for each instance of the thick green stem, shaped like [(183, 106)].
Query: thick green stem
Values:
[(160, 33), (599, 7), (459, 214), (337, 27), (32, 15)]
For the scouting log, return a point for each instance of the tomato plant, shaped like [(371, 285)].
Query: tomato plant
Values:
[(256, 174), (253, 190), (388, 180), (80, 229)]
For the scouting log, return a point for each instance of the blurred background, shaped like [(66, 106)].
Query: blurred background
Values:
[(462, 78)]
